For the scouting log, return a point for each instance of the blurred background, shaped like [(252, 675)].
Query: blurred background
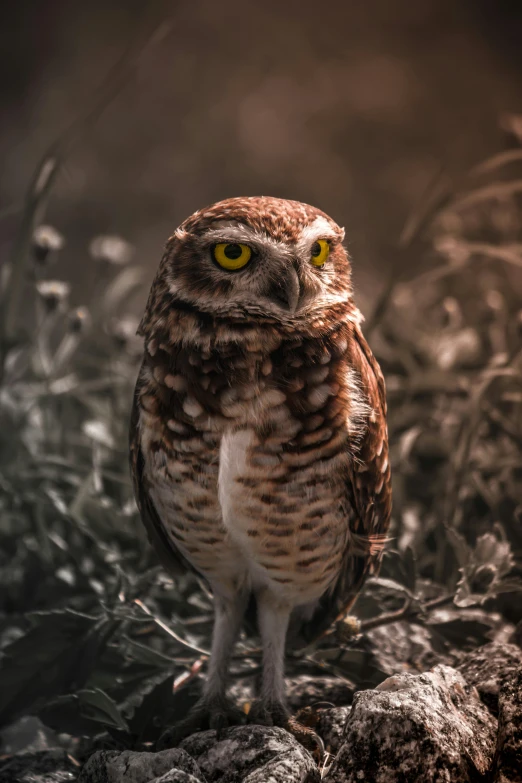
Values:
[(353, 107)]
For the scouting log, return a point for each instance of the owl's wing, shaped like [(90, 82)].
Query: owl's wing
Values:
[(169, 556), (369, 494), (369, 482)]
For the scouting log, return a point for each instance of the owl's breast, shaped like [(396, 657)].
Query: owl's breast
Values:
[(260, 448), (286, 512)]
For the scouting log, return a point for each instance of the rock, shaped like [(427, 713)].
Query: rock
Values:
[(428, 727), (304, 691), (27, 735), (404, 646), (471, 627), (177, 776), (252, 754), (50, 766), (331, 725), (133, 767), (488, 668), (507, 767)]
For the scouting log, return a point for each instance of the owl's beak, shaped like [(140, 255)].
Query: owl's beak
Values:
[(286, 291)]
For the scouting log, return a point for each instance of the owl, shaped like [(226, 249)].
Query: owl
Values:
[(259, 447)]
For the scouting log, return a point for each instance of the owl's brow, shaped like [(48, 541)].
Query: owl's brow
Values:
[(238, 232), (321, 228)]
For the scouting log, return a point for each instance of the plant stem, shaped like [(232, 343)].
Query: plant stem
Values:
[(407, 612)]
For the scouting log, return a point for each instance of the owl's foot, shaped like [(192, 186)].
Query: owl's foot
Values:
[(268, 713), (217, 714), (275, 714), (307, 737)]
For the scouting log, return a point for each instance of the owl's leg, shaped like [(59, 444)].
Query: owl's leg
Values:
[(273, 616), (228, 616), (213, 710), (270, 708)]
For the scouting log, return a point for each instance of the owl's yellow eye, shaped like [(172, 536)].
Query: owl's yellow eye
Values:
[(320, 252), (232, 256)]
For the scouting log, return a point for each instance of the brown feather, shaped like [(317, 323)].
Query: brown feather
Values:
[(371, 509), (168, 554)]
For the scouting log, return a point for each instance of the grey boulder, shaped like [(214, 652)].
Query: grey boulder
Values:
[(331, 725), (168, 766), (489, 668), (507, 767), (252, 754), (46, 766), (431, 728)]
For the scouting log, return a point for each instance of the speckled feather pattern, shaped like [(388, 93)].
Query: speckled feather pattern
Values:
[(259, 442)]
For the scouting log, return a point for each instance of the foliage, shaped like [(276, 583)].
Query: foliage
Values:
[(94, 636)]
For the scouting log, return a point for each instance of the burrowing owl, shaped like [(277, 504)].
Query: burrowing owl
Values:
[(258, 437)]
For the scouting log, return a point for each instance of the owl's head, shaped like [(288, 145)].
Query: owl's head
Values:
[(257, 257)]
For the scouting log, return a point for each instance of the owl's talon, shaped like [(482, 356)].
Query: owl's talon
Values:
[(275, 714), (308, 738), (227, 715), (268, 713), (216, 714), (219, 723)]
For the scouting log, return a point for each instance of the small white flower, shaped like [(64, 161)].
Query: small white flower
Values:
[(98, 432), (124, 328), (455, 251), (79, 319), (54, 293), (46, 239), (123, 332), (111, 249)]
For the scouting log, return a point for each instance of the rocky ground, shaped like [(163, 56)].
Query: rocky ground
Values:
[(460, 723)]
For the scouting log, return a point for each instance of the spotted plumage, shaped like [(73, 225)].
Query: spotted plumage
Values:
[(258, 438)]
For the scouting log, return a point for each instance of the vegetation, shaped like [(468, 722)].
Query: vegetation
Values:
[(95, 638)]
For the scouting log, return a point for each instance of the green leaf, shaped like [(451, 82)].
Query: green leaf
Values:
[(154, 704), (390, 584), (80, 714), (151, 706), (460, 547), (56, 655), (147, 655), (507, 586), (63, 715), (463, 633), (97, 706)]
